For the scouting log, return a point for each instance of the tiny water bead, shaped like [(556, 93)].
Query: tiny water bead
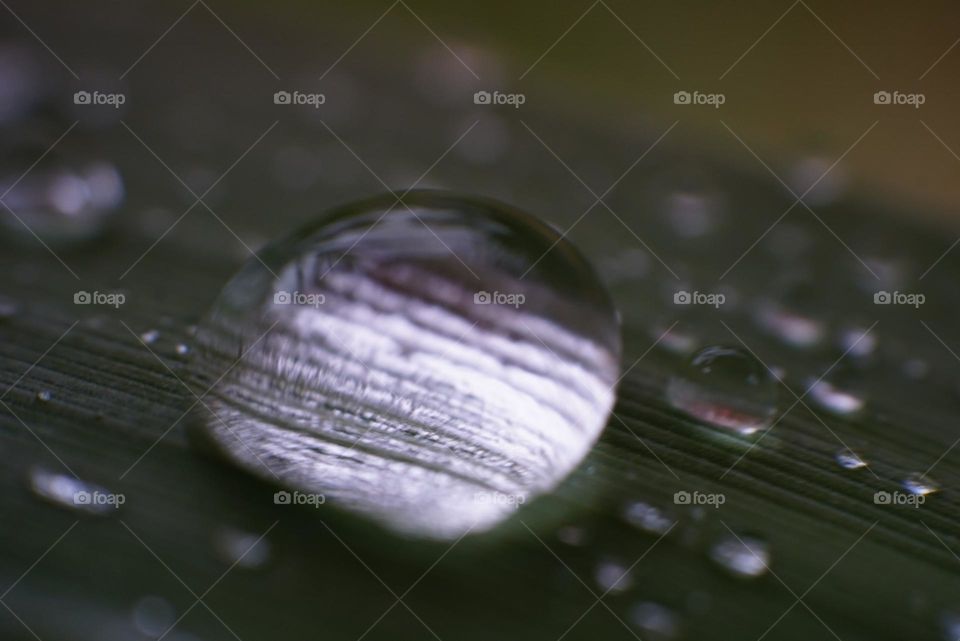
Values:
[(648, 518), (657, 622), (431, 365), (745, 557), (726, 387), (71, 493), (920, 484), (834, 399), (849, 460), (612, 577), (64, 204)]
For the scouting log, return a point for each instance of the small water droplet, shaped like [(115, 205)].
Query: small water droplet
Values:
[(183, 349), (745, 557), (571, 535), (8, 308), (72, 493), (150, 336), (411, 364), (920, 485), (242, 549), (726, 387), (849, 460), (950, 624), (613, 577), (835, 400), (152, 616), (44, 396), (61, 204), (691, 214), (648, 518), (857, 342), (657, 622), (792, 328)]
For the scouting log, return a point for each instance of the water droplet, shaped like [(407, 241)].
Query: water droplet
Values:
[(920, 485), (950, 624), (62, 204), (183, 349), (648, 518), (657, 622), (72, 493), (242, 549), (858, 342), (152, 616), (791, 327), (411, 364), (691, 214), (745, 557), (849, 460), (44, 396), (613, 577), (571, 535), (835, 400), (726, 387), (8, 308), (150, 336)]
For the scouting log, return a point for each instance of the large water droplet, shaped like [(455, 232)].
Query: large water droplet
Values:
[(746, 557), (726, 387), (431, 368)]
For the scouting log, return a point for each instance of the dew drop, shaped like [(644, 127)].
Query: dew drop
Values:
[(726, 387), (8, 308), (242, 549), (62, 204), (72, 493), (150, 336), (657, 622), (152, 616), (834, 399), (648, 518), (849, 460), (571, 535), (410, 364), (746, 557), (792, 328), (44, 396), (183, 349), (612, 577), (920, 485)]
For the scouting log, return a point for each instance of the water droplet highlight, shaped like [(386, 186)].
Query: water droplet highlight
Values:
[(726, 387), (431, 368), (72, 493), (835, 400), (648, 518), (657, 622), (920, 485), (612, 577), (849, 460), (746, 557)]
